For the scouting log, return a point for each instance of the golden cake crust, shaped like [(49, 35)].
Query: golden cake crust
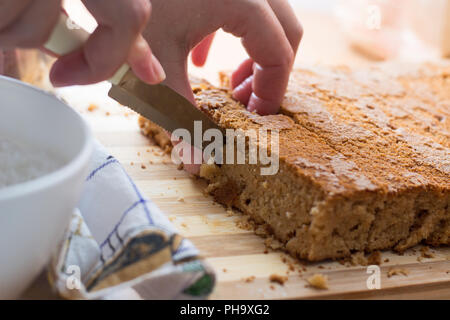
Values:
[(357, 131), (364, 160)]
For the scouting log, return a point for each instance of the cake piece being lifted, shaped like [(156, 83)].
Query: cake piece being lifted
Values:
[(364, 160)]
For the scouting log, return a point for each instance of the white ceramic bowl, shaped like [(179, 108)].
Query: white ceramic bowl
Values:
[(34, 214)]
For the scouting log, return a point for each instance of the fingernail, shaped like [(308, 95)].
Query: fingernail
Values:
[(157, 70), (263, 107)]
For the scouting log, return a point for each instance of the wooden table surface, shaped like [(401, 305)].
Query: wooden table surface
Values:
[(238, 254)]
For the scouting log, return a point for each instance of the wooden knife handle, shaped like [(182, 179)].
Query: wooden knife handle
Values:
[(67, 37)]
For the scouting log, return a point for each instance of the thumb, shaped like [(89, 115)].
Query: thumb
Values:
[(144, 64)]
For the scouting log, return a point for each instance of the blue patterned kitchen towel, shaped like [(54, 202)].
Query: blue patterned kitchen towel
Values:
[(119, 245)]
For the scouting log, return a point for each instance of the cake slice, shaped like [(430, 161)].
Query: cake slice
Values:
[(364, 160)]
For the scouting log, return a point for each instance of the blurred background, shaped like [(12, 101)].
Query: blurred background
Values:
[(382, 29), (355, 33)]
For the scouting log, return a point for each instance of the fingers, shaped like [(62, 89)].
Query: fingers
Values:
[(242, 81), (288, 20), (244, 71), (11, 10), (144, 63), (200, 52), (167, 46), (262, 84), (271, 51), (244, 91), (20, 15), (117, 37)]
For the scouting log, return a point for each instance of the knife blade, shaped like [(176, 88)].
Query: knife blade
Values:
[(158, 103), (162, 105)]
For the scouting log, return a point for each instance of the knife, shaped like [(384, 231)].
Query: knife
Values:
[(158, 103)]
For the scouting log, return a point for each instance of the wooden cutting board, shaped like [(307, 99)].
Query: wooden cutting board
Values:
[(238, 254)]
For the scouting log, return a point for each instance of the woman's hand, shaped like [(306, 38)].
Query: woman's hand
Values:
[(269, 30), (270, 33), (117, 39)]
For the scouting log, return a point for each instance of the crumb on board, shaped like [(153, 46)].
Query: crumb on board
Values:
[(249, 279), (397, 271), (272, 243), (244, 223), (426, 253), (261, 230), (143, 166), (359, 259), (374, 258), (107, 113), (224, 270), (278, 279), (131, 163), (92, 107), (288, 262), (180, 199), (184, 225), (172, 219), (318, 281), (272, 287)]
